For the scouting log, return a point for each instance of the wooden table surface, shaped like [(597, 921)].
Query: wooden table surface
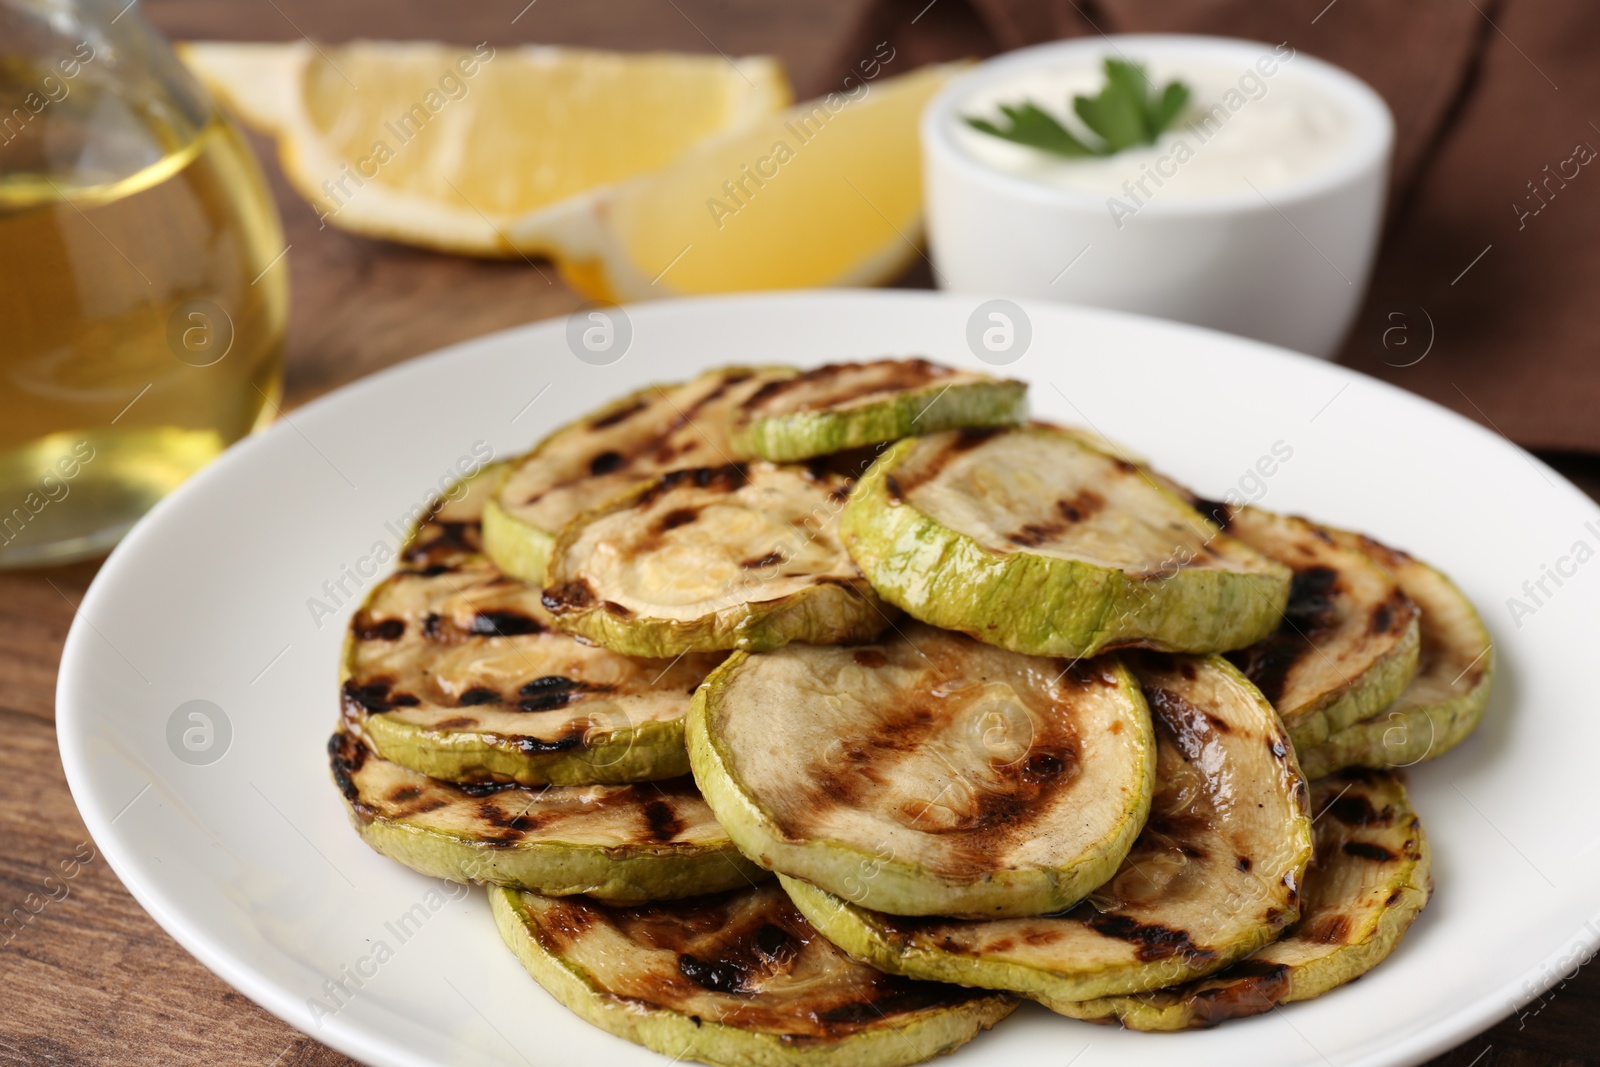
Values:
[(91, 979)]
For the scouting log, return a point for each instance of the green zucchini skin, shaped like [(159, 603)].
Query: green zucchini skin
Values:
[(1402, 736), (1371, 877), (1446, 698), (520, 549), (900, 398), (803, 1005), (625, 843), (1048, 605), (1198, 892), (991, 860), (646, 752), (827, 614)]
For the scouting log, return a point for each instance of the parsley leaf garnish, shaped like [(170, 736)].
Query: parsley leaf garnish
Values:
[(1125, 113)]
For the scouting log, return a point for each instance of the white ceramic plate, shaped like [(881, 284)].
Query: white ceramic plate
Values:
[(247, 860)]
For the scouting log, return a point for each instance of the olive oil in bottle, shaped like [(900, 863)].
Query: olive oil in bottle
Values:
[(142, 311)]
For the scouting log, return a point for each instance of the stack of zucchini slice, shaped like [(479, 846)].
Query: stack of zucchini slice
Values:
[(476, 742), (1380, 660), (1007, 713)]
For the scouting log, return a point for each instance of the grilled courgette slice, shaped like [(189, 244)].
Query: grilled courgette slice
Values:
[(450, 531), (1445, 700), (930, 774), (1215, 875), (849, 405), (456, 671), (736, 979), (627, 843), (1369, 879), (1348, 643), (462, 675), (583, 464), (714, 558), (1032, 540)]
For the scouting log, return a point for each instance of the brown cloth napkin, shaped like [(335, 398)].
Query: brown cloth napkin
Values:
[(1490, 249)]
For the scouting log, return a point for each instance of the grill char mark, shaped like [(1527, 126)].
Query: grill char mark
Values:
[(848, 465), (346, 757), (538, 746), (1306, 619), (484, 789), (1219, 513), (576, 595), (514, 827), (980, 823), (438, 542), (1328, 930), (1080, 505), (555, 691), (503, 622), (1186, 725), (662, 821), (929, 468), (732, 945), (607, 462), (657, 441), (728, 478), (374, 696), (716, 976), (676, 518), (1366, 851), (1153, 940), (366, 629), (1246, 988), (1354, 809), (621, 415), (898, 996), (1393, 615), (905, 374)]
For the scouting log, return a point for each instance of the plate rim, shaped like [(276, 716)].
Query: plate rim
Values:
[(71, 718)]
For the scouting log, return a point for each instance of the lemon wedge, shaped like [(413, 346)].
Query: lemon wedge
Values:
[(827, 193), (456, 147)]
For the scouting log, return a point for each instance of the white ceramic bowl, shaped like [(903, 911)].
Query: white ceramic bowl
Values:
[(1286, 264)]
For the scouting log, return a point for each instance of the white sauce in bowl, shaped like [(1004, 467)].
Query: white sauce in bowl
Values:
[(1259, 124)]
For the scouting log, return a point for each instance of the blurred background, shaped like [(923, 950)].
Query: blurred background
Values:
[(1488, 264)]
